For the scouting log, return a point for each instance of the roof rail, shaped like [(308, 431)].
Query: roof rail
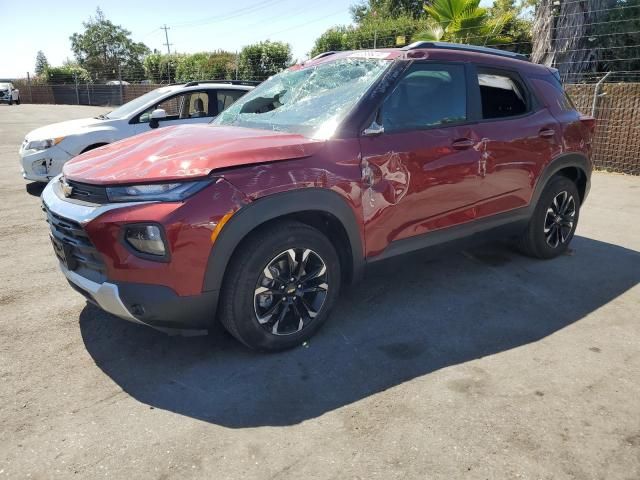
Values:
[(466, 48), (250, 83), (321, 55)]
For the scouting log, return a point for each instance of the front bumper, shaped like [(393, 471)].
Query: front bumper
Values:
[(42, 165), (156, 306)]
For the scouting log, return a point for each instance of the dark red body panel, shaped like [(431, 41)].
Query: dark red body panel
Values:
[(183, 152), (397, 185)]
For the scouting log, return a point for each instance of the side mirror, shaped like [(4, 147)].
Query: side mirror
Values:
[(157, 115), (373, 130)]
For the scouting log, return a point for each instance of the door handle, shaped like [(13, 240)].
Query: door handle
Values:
[(463, 143), (547, 133)]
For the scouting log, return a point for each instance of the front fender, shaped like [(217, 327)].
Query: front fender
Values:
[(277, 205)]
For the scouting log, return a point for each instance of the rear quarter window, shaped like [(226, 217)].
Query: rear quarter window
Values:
[(553, 93)]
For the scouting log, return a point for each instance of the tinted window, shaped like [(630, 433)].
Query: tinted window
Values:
[(429, 95), (502, 95)]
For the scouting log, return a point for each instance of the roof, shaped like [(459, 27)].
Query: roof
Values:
[(435, 51)]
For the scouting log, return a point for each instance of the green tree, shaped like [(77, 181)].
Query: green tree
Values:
[(373, 31), (464, 21), (41, 63), (161, 68), (386, 9), (517, 23), (104, 47), (261, 60), (206, 66), (618, 37)]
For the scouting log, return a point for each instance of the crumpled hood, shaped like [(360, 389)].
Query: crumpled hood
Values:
[(181, 152), (62, 129)]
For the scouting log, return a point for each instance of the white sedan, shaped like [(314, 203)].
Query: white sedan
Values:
[(45, 150)]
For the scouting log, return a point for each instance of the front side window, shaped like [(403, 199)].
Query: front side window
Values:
[(501, 95), (130, 108), (429, 95), (181, 107), (310, 101)]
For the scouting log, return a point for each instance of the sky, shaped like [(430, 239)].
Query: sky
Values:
[(195, 25)]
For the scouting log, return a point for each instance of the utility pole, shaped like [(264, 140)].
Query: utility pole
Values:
[(166, 36)]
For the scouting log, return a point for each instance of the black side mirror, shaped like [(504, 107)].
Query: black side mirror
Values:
[(153, 123)]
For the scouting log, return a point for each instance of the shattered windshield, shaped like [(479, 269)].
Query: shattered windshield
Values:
[(309, 101)]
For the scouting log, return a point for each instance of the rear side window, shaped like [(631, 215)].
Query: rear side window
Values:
[(502, 95), (429, 95)]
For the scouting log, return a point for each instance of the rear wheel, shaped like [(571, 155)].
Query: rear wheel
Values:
[(554, 221), (280, 286)]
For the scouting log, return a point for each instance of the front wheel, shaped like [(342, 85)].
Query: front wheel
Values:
[(280, 286), (554, 220), (18, 100)]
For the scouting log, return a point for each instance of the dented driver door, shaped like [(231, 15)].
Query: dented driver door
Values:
[(419, 158)]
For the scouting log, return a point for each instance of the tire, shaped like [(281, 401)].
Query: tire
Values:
[(10, 100), (553, 223), (18, 100), (268, 314)]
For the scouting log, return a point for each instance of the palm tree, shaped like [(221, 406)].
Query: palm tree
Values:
[(463, 21)]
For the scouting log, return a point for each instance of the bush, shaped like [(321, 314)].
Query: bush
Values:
[(66, 74), (206, 66), (261, 60)]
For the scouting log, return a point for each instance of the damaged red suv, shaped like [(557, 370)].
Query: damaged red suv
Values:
[(260, 218)]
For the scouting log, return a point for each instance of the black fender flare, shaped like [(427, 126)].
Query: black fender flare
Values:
[(565, 160), (277, 205)]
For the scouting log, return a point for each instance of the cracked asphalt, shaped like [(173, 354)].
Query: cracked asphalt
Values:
[(478, 364)]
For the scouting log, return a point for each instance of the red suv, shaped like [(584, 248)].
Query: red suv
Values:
[(260, 218)]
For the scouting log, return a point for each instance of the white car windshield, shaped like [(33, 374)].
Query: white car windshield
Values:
[(136, 104), (310, 101), (4, 86)]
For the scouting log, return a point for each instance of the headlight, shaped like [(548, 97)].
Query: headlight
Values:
[(162, 192), (146, 239), (43, 144)]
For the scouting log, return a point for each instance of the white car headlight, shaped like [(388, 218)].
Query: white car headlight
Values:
[(43, 144)]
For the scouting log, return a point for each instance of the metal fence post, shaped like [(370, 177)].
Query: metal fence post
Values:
[(88, 94), (596, 91), (75, 79), (120, 82), (237, 62), (29, 87)]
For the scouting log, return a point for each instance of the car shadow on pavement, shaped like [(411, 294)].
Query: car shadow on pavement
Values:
[(409, 317)]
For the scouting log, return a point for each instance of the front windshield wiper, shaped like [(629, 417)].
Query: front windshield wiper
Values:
[(102, 116)]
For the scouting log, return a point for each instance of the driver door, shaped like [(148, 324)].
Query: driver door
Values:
[(421, 172), (189, 107)]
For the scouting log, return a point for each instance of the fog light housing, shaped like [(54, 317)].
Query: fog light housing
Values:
[(147, 239)]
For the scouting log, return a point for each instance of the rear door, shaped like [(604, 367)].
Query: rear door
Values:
[(518, 135)]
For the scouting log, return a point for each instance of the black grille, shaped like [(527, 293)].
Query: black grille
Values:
[(88, 193), (72, 244)]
